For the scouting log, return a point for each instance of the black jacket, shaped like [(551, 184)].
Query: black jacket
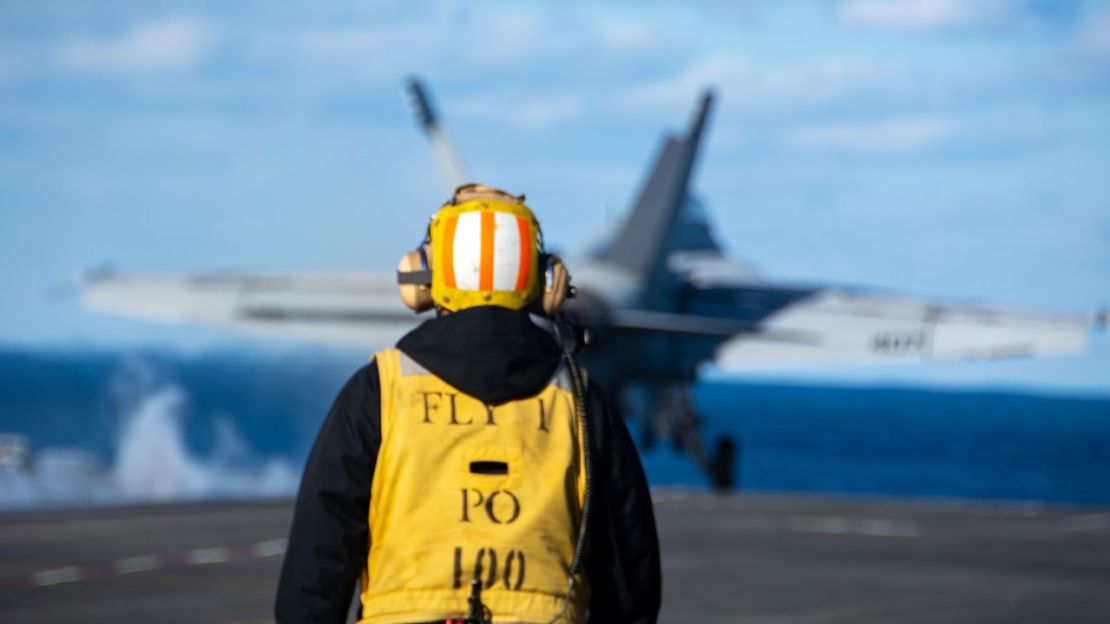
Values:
[(329, 540)]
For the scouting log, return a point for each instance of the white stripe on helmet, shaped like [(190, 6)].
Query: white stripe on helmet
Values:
[(468, 250)]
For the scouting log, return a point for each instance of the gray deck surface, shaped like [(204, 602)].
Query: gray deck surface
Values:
[(744, 558)]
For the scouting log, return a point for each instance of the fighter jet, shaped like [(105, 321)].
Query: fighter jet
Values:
[(659, 301)]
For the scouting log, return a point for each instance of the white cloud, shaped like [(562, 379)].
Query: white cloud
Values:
[(678, 89), (170, 44), (746, 84), (347, 43), (627, 35), (362, 52), (445, 41), (1094, 38), (523, 110), (988, 129), (925, 14), (898, 136)]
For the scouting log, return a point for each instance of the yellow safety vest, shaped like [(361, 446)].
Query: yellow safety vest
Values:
[(465, 490)]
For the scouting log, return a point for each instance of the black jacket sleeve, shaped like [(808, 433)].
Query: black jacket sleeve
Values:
[(329, 538), (623, 564)]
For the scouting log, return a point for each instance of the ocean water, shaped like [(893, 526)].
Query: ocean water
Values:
[(106, 428), (908, 442)]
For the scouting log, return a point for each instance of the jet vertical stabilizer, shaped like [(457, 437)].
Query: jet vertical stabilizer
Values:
[(647, 236)]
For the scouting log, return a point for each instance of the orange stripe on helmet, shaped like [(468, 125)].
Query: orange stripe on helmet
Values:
[(485, 275), (449, 251), (522, 273)]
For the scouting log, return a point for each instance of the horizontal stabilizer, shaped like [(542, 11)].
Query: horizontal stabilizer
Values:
[(864, 327)]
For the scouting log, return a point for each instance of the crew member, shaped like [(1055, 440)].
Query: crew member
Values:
[(473, 470)]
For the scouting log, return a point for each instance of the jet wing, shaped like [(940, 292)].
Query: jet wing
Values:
[(844, 326), (352, 308)]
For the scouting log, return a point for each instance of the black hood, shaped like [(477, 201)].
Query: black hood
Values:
[(491, 353)]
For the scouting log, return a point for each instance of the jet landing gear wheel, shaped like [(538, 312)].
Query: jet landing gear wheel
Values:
[(722, 468), (667, 412), (686, 434)]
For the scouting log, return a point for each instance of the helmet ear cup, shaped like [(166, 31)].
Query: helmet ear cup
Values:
[(415, 293), (556, 285)]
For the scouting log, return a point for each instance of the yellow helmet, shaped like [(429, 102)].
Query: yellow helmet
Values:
[(485, 247)]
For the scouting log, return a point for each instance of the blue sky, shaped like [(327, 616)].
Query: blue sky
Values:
[(944, 148)]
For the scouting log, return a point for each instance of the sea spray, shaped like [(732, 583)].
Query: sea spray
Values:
[(151, 460), (154, 463)]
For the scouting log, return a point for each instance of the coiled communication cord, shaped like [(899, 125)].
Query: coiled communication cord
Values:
[(579, 388)]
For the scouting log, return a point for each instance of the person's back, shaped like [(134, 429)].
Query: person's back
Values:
[(461, 456)]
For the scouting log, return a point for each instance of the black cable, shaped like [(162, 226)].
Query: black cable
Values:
[(579, 389), (579, 394)]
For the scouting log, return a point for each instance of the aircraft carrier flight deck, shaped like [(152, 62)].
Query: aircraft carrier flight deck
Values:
[(757, 559)]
